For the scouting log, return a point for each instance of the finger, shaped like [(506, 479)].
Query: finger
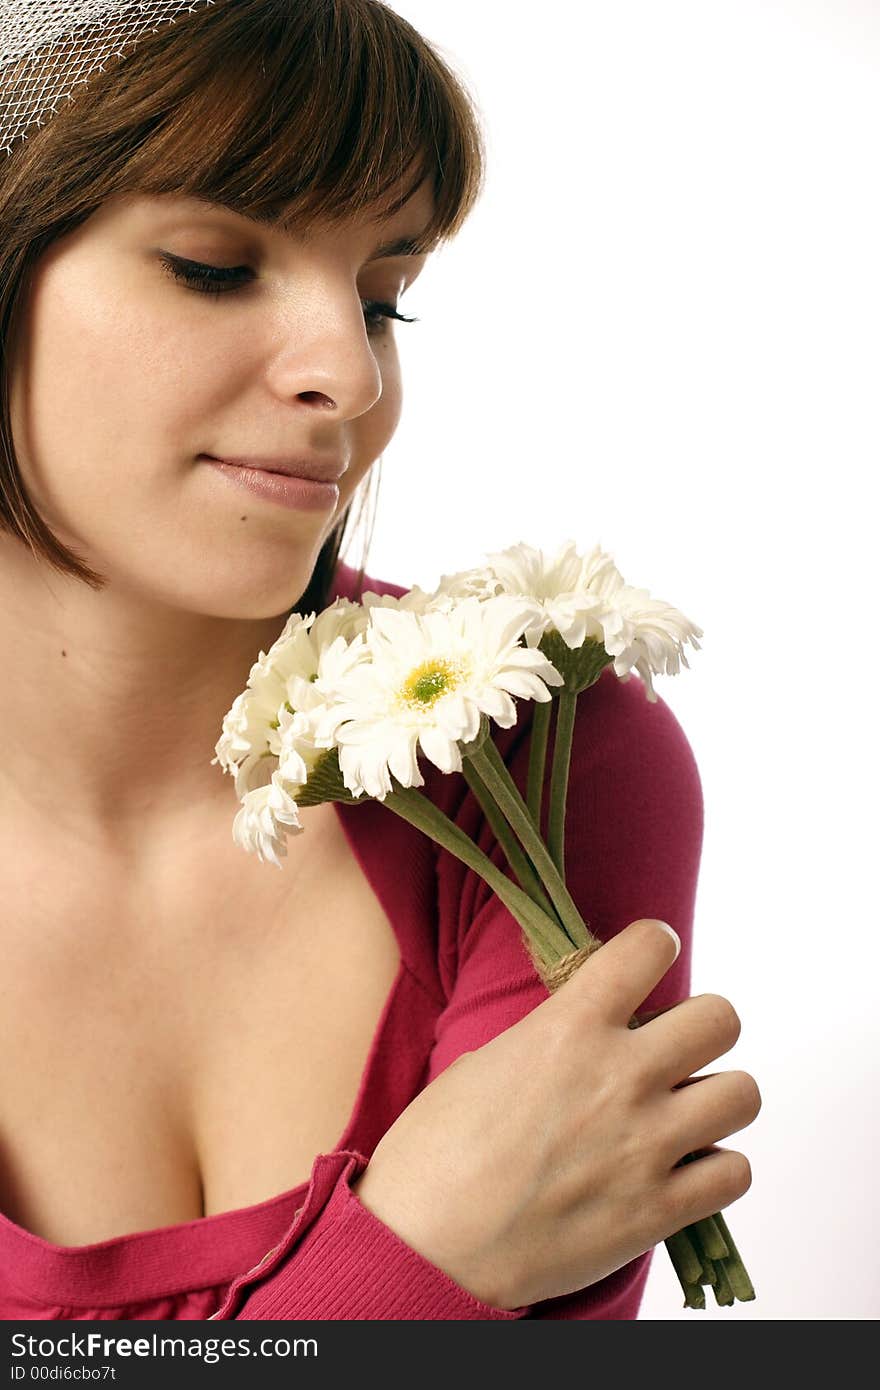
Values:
[(621, 974), (697, 1116), (707, 1185), (686, 1037)]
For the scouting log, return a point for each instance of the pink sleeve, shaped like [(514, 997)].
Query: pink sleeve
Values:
[(634, 827)]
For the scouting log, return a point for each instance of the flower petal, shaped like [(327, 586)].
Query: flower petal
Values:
[(443, 751)]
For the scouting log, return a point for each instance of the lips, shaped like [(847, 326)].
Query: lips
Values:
[(290, 490), (318, 468)]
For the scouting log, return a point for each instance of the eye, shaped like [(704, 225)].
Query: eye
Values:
[(209, 279), (213, 279), (375, 311)]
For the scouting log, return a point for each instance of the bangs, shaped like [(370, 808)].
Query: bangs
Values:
[(294, 112)]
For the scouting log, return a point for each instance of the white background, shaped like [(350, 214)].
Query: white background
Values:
[(659, 331)]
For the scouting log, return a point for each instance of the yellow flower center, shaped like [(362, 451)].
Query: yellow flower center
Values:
[(426, 683)]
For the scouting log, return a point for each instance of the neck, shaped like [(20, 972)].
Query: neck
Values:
[(112, 708)]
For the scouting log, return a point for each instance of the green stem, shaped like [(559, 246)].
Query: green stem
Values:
[(709, 1275), (416, 808), (516, 857), (724, 1295), (733, 1265), (685, 1257), (491, 767), (559, 777), (711, 1239), (688, 1267), (543, 711)]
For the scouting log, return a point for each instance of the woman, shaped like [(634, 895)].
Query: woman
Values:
[(228, 1092)]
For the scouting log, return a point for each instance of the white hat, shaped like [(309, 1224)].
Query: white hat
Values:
[(41, 61)]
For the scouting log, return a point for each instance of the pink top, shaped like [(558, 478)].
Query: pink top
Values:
[(634, 828)]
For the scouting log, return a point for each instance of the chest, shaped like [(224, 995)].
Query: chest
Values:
[(186, 1048)]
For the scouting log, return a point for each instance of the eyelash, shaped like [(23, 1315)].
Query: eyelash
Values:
[(211, 279)]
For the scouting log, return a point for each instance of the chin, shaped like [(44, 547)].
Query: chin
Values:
[(234, 599)]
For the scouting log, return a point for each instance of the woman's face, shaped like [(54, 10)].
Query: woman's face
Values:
[(123, 378)]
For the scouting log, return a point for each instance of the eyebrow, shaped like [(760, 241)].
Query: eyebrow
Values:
[(400, 246)]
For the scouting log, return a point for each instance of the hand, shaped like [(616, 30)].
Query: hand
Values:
[(546, 1159)]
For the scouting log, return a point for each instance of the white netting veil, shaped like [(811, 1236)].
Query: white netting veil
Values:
[(41, 61)]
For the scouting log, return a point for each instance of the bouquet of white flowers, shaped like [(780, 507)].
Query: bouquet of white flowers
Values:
[(339, 707)]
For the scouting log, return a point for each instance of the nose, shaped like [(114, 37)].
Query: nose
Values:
[(326, 361)]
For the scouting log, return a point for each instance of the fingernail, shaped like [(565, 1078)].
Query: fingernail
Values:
[(674, 934)]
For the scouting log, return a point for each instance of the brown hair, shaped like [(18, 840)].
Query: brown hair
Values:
[(317, 110)]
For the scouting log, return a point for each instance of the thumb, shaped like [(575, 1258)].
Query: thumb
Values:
[(619, 976)]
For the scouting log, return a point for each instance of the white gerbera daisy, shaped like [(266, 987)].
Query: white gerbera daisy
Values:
[(584, 601), (568, 589), (247, 726), (428, 681), (258, 823), (648, 634), (476, 582), (415, 600), (294, 739), (599, 574), (295, 656), (262, 730)]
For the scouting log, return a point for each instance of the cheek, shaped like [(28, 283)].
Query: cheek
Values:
[(371, 432), (99, 378)]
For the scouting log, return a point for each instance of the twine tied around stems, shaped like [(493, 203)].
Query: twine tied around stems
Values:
[(555, 975), (562, 969)]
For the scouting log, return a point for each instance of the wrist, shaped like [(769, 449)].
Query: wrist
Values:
[(432, 1242)]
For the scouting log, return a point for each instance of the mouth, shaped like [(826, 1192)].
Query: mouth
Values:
[(317, 468), (291, 490)]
